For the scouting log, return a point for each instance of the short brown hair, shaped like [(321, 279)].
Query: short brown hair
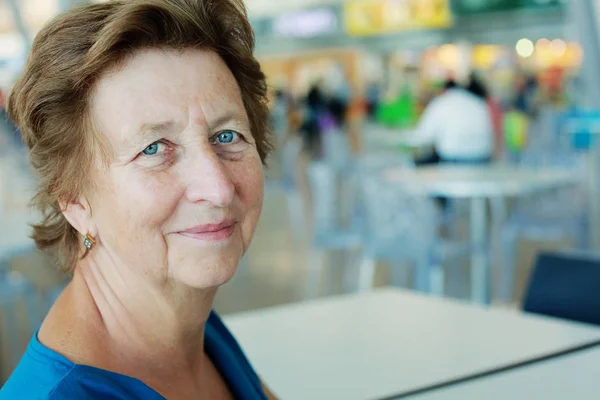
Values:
[(50, 102)]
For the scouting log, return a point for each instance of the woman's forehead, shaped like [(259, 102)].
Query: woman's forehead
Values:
[(157, 85), (157, 94)]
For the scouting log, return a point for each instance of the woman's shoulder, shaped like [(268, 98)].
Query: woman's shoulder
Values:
[(230, 360), (38, 374), (220, 343), (43, 374)]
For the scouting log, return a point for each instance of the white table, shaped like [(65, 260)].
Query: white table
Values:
[(573, 376), (381, 136), (387, 342), (479, 183)]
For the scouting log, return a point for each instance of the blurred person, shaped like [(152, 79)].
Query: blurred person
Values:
[(430, 155), (3, 117), (280, 116), (338, 108), (315, 106), (526, 98), (372, 97), (458, 124), (477, 87), (339, 100), (279, 121), (150, 157)]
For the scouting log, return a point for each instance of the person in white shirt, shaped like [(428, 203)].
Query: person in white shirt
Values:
[(458, 124)]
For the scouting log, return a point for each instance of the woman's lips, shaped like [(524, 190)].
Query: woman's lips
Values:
[(210, 232)]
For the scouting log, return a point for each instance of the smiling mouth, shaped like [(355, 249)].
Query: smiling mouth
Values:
[(211, 232)]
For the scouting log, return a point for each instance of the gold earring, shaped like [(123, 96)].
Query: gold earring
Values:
[(89, 241)]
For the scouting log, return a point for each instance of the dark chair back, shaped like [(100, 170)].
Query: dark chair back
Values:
[(565, 285)]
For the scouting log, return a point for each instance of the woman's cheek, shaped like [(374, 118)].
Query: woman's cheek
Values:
[(250, 179), (154, 197)]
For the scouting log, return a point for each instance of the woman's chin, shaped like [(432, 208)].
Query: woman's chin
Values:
[(208, 275)]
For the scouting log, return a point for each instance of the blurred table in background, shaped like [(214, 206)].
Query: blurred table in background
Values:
[(460, 181), (479, 183), (573, 376), (381, 136), (388, 342), (378, 138)]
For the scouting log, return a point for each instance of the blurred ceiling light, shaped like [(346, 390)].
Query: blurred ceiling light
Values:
[(485, 56), (543, 54), (558, 47), (448, 54), (574, 54), (525, 48), (542, 44)]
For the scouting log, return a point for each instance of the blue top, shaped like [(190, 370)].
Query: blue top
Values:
[(43, 374)]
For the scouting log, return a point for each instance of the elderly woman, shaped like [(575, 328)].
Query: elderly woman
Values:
[(146, 122)]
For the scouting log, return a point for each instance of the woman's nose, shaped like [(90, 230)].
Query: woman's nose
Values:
[(208, 179)]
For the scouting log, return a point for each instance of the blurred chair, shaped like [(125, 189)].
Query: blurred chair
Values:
[(377, 137), (381, 160), (24, 301), (17, 180), (327, 230), (292, 151), (289, 183), (550, 216), (337, 152), (565, 285), (403, 227), (20, 308), (367, 166), (543, 132)]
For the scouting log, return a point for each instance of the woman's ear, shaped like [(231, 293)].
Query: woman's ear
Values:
[(79, 214)]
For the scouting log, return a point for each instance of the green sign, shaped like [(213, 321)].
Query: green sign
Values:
[(469, 7), (543, 3)]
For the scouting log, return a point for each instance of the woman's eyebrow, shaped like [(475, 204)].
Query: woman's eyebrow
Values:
[(228, 117), (158, 128), (145, 133)]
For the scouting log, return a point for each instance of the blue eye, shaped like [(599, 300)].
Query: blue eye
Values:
[(226, 137), (151, 150)]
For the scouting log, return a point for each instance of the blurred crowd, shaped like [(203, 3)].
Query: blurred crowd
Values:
[(461, 122)]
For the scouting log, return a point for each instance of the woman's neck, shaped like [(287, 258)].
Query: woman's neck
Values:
[(153, 334), (146, 320)]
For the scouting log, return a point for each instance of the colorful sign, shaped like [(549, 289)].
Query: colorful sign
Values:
[(387, 16), (580, 128), (470, 7), (307, 23)]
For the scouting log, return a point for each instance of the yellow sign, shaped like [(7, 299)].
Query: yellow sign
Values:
[(363, 18)]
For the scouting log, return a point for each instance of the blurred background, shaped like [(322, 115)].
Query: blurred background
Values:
[(363, 189)]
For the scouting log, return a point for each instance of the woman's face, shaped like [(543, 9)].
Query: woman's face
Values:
[(182, 193)]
